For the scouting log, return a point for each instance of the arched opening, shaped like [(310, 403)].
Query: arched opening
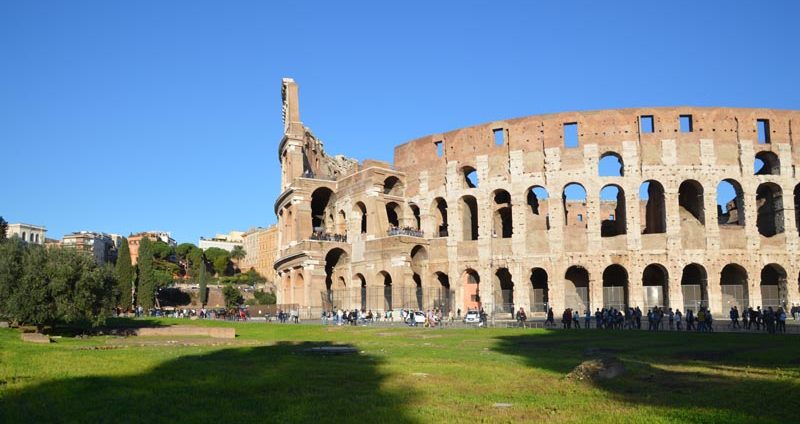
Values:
[(610, 165), (471, 282), (574, 199), (655, 209), (576, 288), (440, 217), (415, 211), (419, 266), (733, 286), (469, 218), (691, 206), (615, 287), (504, 291), (361, 212), (298, 288), (655, 286), (767, 163), (392, 186), (320, 199), (470, 177), (359, 280), (537, 202), (539, 291), (797, 207), (769, 200), (386, 278), (393, 215), (612, 210), (773, 287), (694, 286), (23, 236), (336, 263), (443, 279), (502, 225), (730, 203)]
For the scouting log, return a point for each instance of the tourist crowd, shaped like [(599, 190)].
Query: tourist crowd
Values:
[(659, 318), (405, 231)]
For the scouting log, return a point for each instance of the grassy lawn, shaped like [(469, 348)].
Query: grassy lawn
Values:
[(400, 375)]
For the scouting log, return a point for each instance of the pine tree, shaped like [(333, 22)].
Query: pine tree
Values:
[(147, 278), (124, 273)]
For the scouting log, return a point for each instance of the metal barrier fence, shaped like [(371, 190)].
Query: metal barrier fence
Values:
[(381, 299)]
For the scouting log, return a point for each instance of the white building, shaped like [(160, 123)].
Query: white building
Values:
[(29, 233), (223, 241)]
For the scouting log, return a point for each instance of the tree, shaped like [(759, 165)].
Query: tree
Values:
[(262, 298), (162, 250), (221, 265), (202, 280), (125, 274), (253, 277), (43, 287), (3, 228), (183, 250), (237, 254), (82, 291), (147, 284), (233, 297)]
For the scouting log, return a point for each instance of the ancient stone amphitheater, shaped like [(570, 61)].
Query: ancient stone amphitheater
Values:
[(580, 209)]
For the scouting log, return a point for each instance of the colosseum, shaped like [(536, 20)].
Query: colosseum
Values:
[(580, 209)]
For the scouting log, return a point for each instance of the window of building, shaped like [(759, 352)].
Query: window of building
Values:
[(646, 124), (499, 136), (439, 148), (763, 131), (686, 123), (571, 135), (580, 217), (611, 217)]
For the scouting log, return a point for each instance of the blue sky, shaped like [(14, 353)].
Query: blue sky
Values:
[(129, 116)]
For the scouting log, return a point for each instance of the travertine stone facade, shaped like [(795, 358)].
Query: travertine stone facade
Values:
[(428, 232)]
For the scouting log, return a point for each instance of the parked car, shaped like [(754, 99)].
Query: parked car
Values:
[(419, 317), (472, 317)]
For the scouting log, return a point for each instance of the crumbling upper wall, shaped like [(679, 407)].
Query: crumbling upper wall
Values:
[(534, 136)]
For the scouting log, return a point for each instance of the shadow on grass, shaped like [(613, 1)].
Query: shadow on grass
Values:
[(279, 383), (687, 377)]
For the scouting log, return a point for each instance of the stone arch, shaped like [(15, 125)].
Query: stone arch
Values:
[(502, 221), (655, 284), (537, 200), (691, 206), (576, 288), (419, 262), (767, 163), (574, 200), (386, 279), (774, 289), (655, 209), (337, 262), (615, 287), (694, 286), (360, 211), (769, 200), (394, 214), (610, 165), (470, 176), (469, 218), (733, 287), (439, 212), (730, 203), (470, 281), (443, 279), (614, 220), (540, 291), (504, 290), (320, 199), (298, 287), (393, 186), (415, 211), (361, 282)]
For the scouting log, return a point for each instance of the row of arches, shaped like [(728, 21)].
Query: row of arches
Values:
[(611, 164)]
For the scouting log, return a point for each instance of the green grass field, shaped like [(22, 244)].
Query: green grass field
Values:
[(400, 375)]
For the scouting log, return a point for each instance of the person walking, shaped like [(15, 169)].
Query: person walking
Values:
[(678, 317)]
